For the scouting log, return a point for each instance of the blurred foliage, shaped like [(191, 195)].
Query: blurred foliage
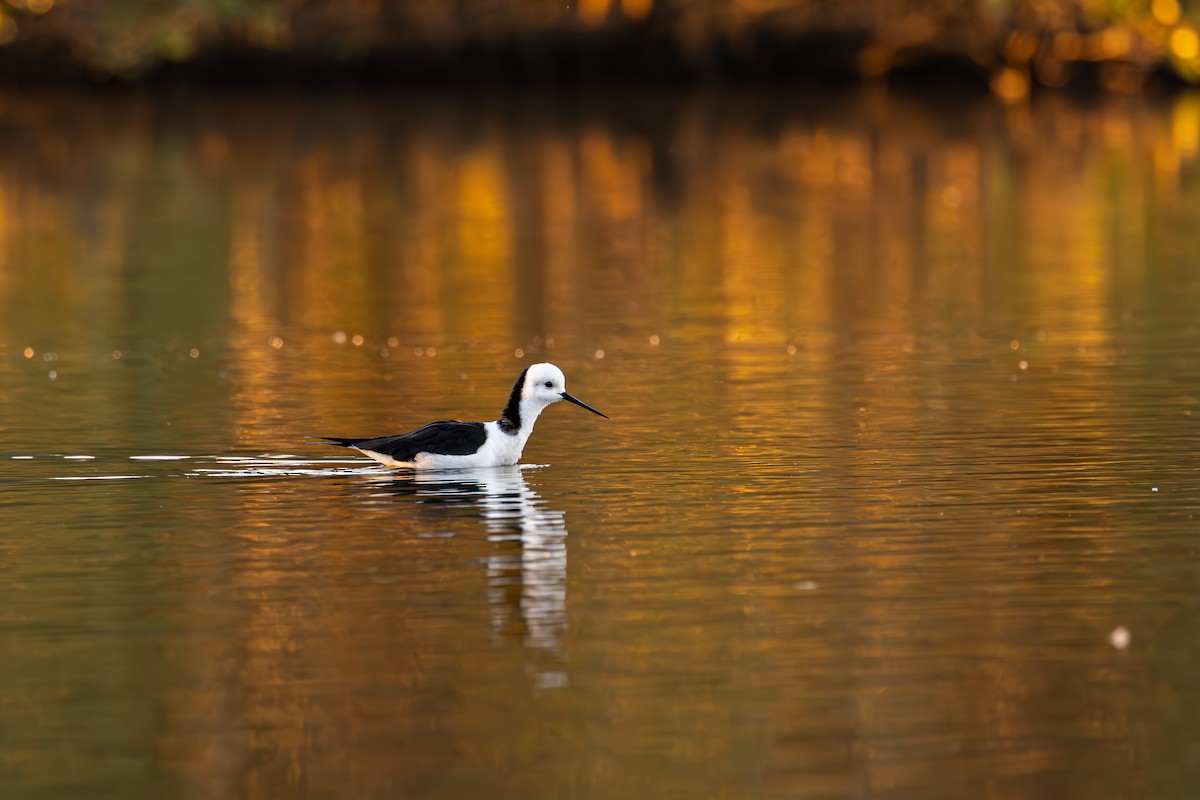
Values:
[(1013, 44)]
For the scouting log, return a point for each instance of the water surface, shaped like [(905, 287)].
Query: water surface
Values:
[(904, 426)]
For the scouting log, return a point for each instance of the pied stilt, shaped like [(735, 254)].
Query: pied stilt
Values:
[(455, 445)]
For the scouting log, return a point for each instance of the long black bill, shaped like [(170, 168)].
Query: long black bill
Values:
[(582, 404)]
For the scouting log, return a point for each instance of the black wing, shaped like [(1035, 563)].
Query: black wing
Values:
[(448, 438)]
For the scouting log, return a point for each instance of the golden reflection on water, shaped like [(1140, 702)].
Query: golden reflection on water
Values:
[(890, 385), (445, 234)]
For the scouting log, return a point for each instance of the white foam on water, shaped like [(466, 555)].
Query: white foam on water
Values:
[(98, 477), (266, 473)]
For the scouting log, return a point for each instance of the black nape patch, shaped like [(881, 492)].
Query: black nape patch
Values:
[(510, 418)]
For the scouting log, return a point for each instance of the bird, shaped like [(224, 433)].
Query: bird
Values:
[(451, 444)]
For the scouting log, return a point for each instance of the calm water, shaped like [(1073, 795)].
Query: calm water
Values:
[(905, 406)]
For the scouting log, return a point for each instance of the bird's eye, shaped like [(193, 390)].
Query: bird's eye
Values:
[(549, 384)]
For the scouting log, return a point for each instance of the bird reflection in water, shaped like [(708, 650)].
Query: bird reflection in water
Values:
[(527, 572)]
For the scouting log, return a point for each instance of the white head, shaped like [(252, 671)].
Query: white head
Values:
[(539, 386), (546, 384)]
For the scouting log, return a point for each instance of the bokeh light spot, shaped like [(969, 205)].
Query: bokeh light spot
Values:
[(1166, 12), (1185, 44)]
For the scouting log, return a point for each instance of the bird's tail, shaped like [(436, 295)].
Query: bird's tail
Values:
[(337, 440)]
